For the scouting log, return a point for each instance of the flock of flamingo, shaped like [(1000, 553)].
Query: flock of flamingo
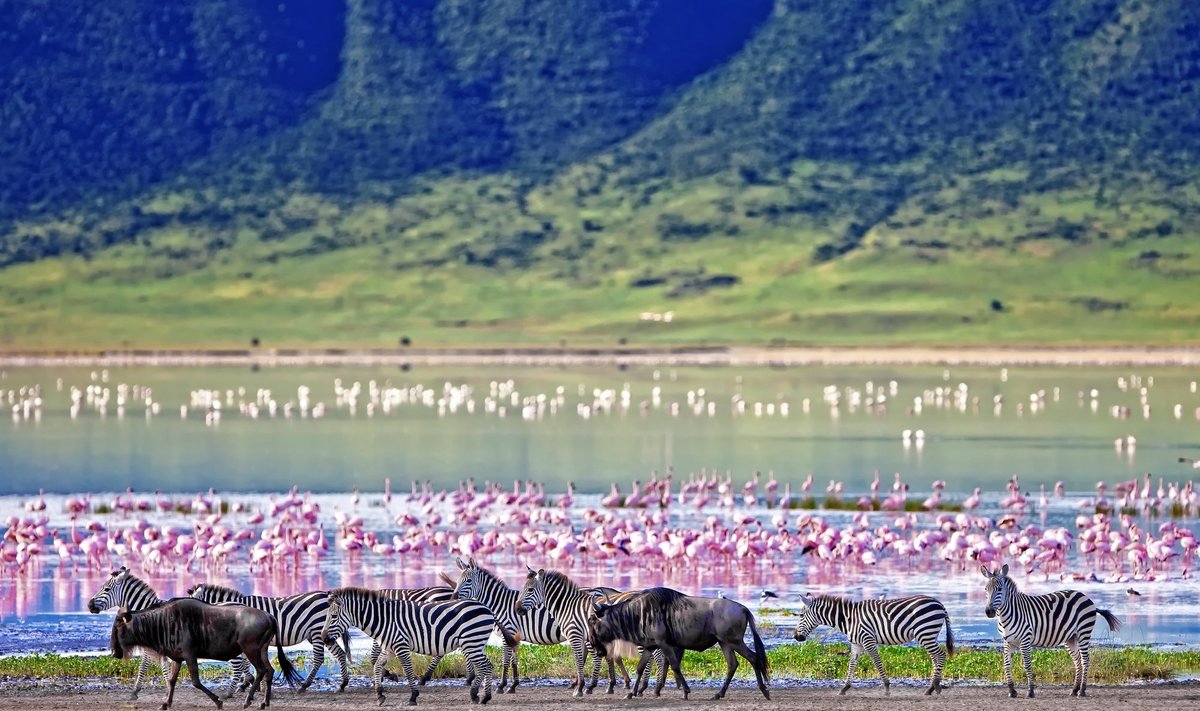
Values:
[(1141, 533)]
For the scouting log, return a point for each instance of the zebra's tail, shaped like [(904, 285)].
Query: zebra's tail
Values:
[(949, 638), (511, 637), (1114, 624), (285, 665), (760, 652)]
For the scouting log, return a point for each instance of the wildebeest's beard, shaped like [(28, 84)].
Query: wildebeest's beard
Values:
[(115, 643)]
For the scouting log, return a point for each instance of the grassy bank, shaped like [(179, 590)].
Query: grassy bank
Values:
[(808, 661)]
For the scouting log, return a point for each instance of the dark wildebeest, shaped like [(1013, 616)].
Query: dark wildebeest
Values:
[(185, 630), (661, 618)]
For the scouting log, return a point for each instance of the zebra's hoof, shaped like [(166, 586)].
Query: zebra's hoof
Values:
[(1031, 693), (486, 698), (1012, 693), (164, 707), (717, 696), (629, 694), (133, 696)]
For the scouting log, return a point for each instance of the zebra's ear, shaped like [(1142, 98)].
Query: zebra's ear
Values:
[(1004, 570), (461, 565), (532, 572), (471, 562), (986, 573)]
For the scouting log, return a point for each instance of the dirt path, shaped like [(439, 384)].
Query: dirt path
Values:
[(1155, 697)]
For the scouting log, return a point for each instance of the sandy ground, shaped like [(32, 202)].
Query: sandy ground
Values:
[(631, 355), (1158, 697)]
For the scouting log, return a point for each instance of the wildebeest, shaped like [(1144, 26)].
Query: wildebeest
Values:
[(185, 630), (666, 619)]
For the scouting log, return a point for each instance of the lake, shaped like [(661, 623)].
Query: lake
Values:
[(251, 436)]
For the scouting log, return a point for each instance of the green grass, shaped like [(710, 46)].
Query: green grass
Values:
[(806, 661), (398, 270)]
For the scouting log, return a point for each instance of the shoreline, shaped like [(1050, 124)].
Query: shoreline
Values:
[(745, 356)]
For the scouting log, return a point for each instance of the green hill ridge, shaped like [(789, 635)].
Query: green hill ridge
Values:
[(208, 172)]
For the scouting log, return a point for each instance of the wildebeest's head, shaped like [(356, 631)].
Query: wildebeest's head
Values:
[(533, 593), (999, 587), (111, 594), (808, 619), (122, 642)]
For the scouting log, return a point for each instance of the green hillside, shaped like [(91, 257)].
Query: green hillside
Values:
[(495, 171)]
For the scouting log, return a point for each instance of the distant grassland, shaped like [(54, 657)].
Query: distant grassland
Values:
[(461, 265), (808, 661)]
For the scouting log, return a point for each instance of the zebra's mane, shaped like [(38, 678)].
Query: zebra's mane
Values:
[(135, 584), (833, 599), (486, 573), (358, 593), (553, 577), (222, 590)]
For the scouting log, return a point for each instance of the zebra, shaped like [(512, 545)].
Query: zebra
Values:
[(570, 606), (123, 589), (1063, 617), (403, 627), (438, 593), (869, 623), (301, 618)]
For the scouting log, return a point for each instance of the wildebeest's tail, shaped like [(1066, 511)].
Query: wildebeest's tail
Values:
[(949, 638), (760, 653), (290, 675), (1114, 624)]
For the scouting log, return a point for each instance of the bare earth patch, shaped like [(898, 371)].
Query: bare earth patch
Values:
[(1152, 697)]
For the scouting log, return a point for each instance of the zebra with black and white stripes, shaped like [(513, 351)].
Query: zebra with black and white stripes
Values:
[(1062, 618), (439, 593), (124, 589), (301, 618), (870, 623), (403, 627), (570, 606)]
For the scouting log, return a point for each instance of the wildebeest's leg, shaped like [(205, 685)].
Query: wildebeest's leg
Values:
[(261, 665), (639, 671), (194, 671), (731, 665), (749, 655), (172, 677), (674, 656)]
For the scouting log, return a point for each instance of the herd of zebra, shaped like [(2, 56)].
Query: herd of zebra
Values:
[(656, 624)]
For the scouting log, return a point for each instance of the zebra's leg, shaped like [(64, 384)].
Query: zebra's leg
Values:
[(873, 652), (483, 666), (855, 650), (141, 674), (1027, 660), (377, 663), (579, 650), (1072, 646), (236, 677), (1084, 663), (660, 664), (505, 660), (516, 679), (597, 660), (376, 649), (318, 659), (343, 663), (194, 671), (937, 657), (1007, 653), (731, 665), (405, 655), (429, 670)]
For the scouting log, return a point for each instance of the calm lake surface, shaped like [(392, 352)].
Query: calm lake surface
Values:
[(981, 427), (1066, 435)]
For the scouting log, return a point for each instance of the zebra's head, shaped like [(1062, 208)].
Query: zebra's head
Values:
[(999, 587), (533, 593), (112, 594), (333, 613), (470, 582), (808, 619)]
